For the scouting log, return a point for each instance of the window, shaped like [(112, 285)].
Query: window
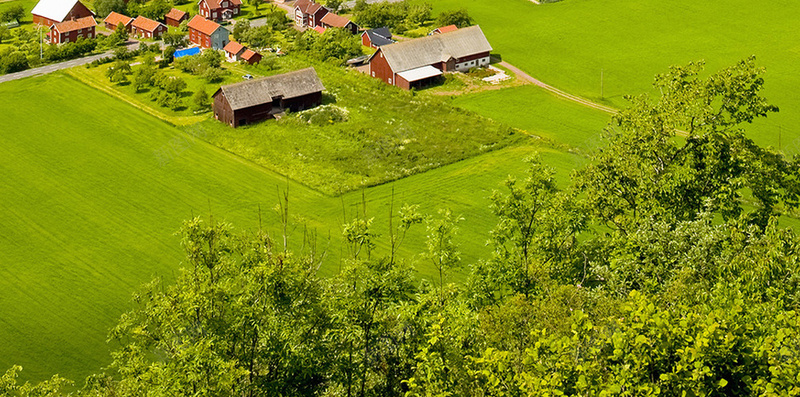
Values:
[(373, 74), (390, 80)]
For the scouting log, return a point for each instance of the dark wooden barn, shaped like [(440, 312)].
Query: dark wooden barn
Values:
[(255, 100)]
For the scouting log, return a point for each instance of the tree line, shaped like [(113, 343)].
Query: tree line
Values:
[(661, 269)]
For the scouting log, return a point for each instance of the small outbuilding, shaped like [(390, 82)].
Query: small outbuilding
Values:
[(147, 28), (331, 20), (114, 19), (175, 16), (251, 56), (255, 100), (444, 29), (233, 51), (376, 37)]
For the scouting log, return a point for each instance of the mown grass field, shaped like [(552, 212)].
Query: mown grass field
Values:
[(537, 111), (91, 200), (568, 44)]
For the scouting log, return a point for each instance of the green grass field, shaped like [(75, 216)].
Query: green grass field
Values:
[(539, 112), (92, 198), (568, 44)]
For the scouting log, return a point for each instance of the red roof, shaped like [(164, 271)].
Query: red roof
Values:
[(146, 24), (308, 6), (203, 25), (248, 54), (319, 29), (176, 14), (233, 47), (214, 4), (334, 20), (115, 19), (80, 23), (447, 29)]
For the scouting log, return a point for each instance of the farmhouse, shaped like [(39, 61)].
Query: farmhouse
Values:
[(71, 31), (147, 28), (376, 37), (444, 29), (308, 13), (49, 12), (255, 100), (207, 34), (415, 63), (175, 16), (114, 19), (219, 10)]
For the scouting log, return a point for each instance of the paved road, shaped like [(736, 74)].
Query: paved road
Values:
[(59, 66)]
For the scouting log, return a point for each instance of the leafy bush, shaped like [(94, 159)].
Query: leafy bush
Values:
[(323, 115), (459, 18)]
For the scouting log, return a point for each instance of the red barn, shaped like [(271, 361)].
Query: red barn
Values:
[(416, 63), (376, 37), (308, 13), (114, 19), (71, 31), (331, 20), (147, 28), (175, 16), (255, 100), (218, 10), (50, 12), (207, 34)]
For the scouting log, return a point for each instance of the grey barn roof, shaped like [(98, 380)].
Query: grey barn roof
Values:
[(380, 36), (256, 92), (437, 48)]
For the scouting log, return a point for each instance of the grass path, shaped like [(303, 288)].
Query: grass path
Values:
[(560, 93)]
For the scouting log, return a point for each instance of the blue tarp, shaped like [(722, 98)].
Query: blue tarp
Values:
[(186, 52)]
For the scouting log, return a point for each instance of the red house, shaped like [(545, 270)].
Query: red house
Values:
[(49, 12), (255, 100), (147, 28), (416, 63), (331, 20), (308, 13), (71, 31), (175, 16), (114, 19), (218, 10), (207, 34)]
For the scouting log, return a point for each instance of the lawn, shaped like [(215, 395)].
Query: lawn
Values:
[(537, 111), (92, 198), (570, 43), (383, 137)]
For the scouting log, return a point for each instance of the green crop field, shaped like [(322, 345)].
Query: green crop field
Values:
[(568, 44), (91, 200)]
